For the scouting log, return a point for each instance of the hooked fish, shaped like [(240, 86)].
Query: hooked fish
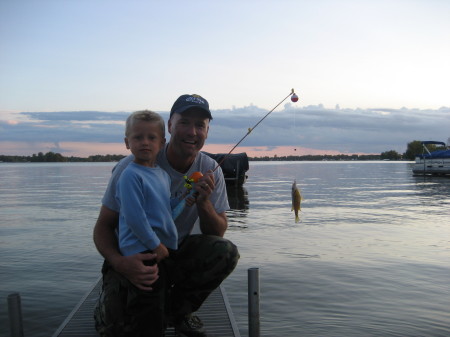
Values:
[(296, 198)]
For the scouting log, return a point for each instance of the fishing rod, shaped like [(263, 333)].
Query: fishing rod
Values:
[(294, 98), (189, 182)]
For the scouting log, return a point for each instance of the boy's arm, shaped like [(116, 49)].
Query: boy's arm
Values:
[(131, 191), (132, 267)]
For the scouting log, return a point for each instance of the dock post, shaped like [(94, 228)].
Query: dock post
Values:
[(15, 315), (253, 302), (236, 182)]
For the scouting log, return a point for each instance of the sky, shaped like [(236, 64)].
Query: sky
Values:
[(371, 76)]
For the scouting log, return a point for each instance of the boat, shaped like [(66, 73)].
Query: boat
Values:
[(234, 167), (432, 163)]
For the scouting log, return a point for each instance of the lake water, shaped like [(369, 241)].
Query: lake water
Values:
[(370, 256)]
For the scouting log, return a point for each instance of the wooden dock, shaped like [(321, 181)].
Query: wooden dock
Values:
[(215, 313)]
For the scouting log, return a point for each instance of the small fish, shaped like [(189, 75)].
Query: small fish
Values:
[(296, 198)]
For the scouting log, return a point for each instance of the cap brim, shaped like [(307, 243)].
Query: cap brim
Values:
[(189, 107)]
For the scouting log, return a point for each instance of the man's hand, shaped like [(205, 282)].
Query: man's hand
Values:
[(205, 186), (211, 222), (133, 268)]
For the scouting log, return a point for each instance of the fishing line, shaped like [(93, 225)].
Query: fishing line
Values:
[(294, 135), (294, 98)]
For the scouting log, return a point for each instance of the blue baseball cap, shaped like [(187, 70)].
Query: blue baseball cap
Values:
[(187, 102)]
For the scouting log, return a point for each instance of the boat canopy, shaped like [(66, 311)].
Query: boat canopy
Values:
[(433, 142), (435, 154)]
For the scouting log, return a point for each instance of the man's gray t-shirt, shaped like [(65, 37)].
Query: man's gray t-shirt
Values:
[(184, 222)]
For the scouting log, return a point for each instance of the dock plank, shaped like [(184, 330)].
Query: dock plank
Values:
[(215, 313)]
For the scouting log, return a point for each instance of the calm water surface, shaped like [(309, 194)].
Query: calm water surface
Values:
[(370, 256)]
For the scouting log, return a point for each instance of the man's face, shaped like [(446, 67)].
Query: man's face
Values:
[(188, 131)]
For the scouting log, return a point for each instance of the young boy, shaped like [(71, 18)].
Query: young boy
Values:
[(145, 218), (143, 190)]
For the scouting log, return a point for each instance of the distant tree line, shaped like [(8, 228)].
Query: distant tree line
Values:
[(413, 148), (317, 157), (57, 157)]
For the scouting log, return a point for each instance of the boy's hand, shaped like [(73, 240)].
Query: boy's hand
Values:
[(161, 252), (191, 200)]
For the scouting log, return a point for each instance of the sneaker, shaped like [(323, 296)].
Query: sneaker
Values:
[(190, 326)]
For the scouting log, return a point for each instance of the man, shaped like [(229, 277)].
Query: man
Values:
[(201, 263)]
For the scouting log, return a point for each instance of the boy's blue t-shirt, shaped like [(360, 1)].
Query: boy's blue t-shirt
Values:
[(145, 218)]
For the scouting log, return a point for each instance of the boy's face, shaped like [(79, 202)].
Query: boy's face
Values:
[(145, 141)]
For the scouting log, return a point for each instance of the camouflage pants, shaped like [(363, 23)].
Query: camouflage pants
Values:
[(186, 279)]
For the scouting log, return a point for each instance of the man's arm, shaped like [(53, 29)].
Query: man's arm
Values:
[(212, 223), (105, 238), (132, 267)]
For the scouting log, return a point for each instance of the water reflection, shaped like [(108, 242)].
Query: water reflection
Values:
[(239, 205), (237, 197), (435, 188)]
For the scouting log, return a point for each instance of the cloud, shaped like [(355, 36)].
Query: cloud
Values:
[(312, 127), (77, 116), (68, 126), (346, 130)]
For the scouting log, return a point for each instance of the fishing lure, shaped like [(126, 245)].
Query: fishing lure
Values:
[(189, 184)]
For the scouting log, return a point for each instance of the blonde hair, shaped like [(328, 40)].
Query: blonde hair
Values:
[(144, 115)]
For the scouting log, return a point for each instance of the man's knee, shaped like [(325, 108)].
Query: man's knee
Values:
[(228, 252), (219, 256)]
